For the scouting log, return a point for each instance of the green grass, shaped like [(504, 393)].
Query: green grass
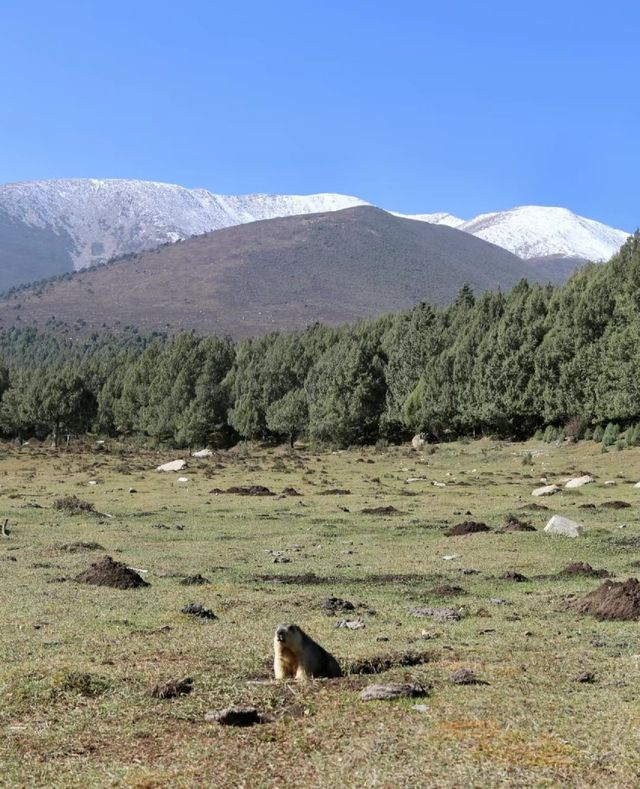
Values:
[(77, 661)]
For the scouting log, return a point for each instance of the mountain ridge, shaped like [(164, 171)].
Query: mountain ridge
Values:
[(49, 227)]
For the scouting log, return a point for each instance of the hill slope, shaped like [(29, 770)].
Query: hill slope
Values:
[(57, 226), (277, 274), (51, 227)]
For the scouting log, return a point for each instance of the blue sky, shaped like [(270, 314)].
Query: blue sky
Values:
[(416, 106)]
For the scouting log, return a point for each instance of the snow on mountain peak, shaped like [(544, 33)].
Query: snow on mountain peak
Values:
[(534, 231)]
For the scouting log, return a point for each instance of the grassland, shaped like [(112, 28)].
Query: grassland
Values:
[(77, 661)]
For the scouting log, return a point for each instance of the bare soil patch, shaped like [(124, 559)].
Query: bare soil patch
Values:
[(307, 579), (250, 490), (584, 569), (446, 590), (514, 524), (615, 505), (612, 601), (107, 572), (335, 492), (390, 510), (467, 527)]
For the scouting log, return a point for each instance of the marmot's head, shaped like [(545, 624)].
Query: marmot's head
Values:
[(289, 634)]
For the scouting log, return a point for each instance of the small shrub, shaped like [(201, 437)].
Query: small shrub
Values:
[(550, 434), (538, 435), (588, 434), (620, 445), (632, 439), (527, 460), (611, 434), (573, 428), (598, 433), (382, 444)]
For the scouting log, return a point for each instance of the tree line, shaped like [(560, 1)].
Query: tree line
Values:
[(539, 357)]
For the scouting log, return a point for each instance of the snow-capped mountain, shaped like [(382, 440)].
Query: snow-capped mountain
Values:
[(105, 218), (57, 226), (534, 231)]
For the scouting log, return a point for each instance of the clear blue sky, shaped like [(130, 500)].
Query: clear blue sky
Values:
[(416, 106)]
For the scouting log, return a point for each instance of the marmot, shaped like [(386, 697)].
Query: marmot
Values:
[(297, 655)]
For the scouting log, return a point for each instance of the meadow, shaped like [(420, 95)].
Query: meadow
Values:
[(560, 707)]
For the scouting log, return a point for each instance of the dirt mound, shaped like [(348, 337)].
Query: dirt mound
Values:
[(582, 568), (76, 547), (171, 689), (394, 578), (513, 524), (308, 579), (390, 510), (380, 663), (335, 492), (194, 580), (72, 505), (467, 527), (332, 605), (448, 591), (534, 507), (615, 505), (586, 506), (291, 492), (513, 576), (250, 490), (106, 572), (613, 600)]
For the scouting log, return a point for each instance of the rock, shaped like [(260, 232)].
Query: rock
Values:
[(350, 624), (183, 479), (234, 716), (415, 479), (466, 676), (451, 557), (610, 482), (132, 490), (195, 609), (171, 689), (420, 708), (418, 441), (394, 690), (546, 490), (203, 453), (439, 484), (564, 527), (93, 482), (172, 465), (437, 614), (578, 482), (637, 485)]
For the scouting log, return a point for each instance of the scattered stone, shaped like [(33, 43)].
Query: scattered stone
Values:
[(250, 490), (93, 482), (350, 624), (616, 505), (195, 580), (582, 568), (563, 527), (415, 479), (132, 490), (173, 465), (183, 479), (439, 484), (437, 614), (467, 527), (613, 600), (106, 572), (466, 676), (203, 453), (451, 557), (586, 676), (637, 485), (171, 689), (610, 482), (513, 576), (332, 605), (394, 690), (578, 482), (235, 716), (195, 609), (390, 510), (546, 490)]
